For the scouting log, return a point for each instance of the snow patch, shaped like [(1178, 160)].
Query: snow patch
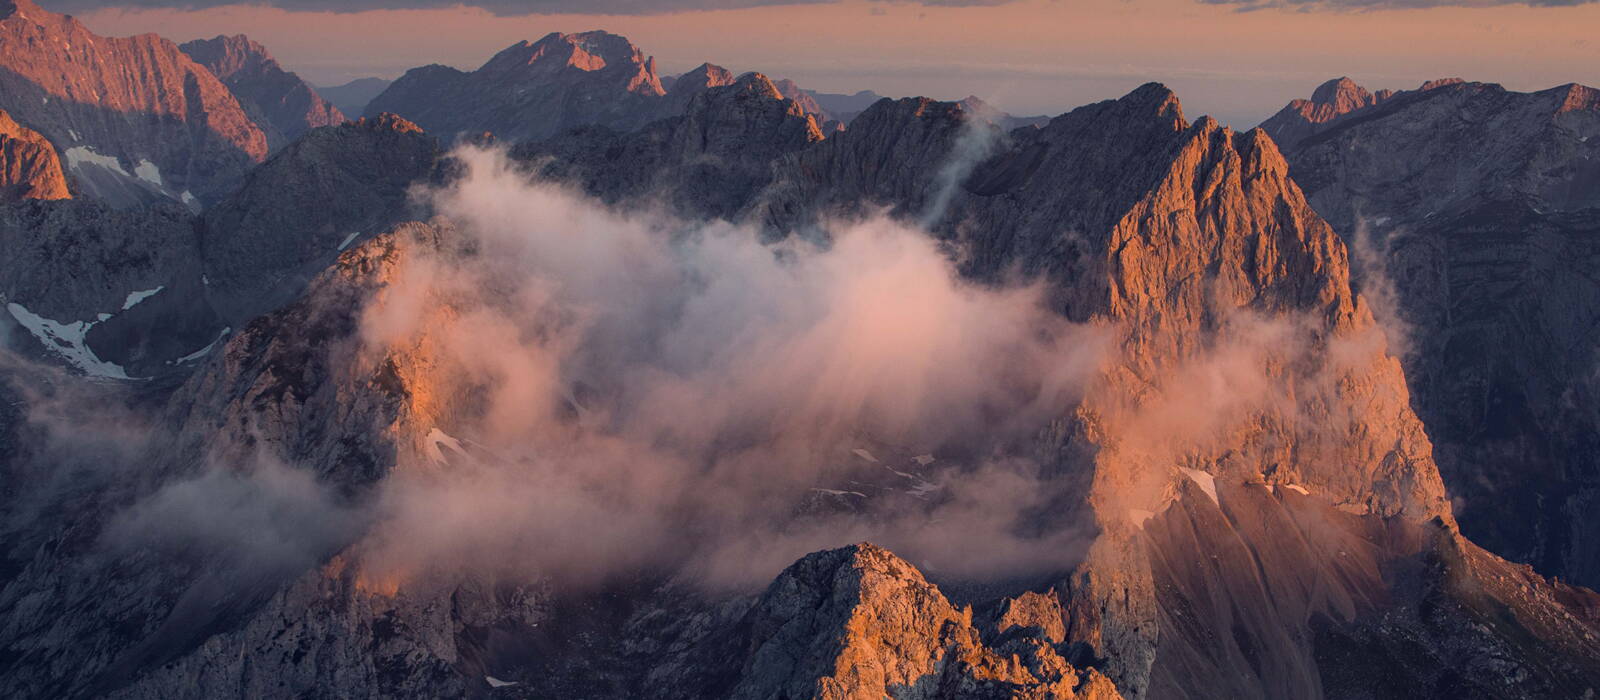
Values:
[(202, 352), (187, 198), (74, 135), (136, 297), (497, 683), (1297, 489), (923, 460), (148, 172), (1207, 483), (836, 492), (66, 340), (437, 437), (80, 155), (348, 239), (864, 455)]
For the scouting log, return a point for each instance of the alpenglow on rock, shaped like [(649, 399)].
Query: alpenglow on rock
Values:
[(29, 167), (135, 118), (280, 101)]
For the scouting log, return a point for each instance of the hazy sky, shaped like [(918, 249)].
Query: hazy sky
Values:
[(1236, 61)]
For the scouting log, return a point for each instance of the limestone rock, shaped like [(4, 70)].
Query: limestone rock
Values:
[(287, 105), (323, 194), (29, 167), (135, 117), (532, 91), (1474, 208)]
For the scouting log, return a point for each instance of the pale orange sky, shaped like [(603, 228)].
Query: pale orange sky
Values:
[(1029, 57)]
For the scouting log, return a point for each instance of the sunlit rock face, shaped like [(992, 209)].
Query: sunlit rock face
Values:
[(1471, 209), (135, 118), (29, 167), (279, 101)]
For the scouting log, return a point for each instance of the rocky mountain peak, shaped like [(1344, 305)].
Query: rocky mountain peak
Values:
[(1154, 99), (859, 621), (706, 75), (29, 167), (228, 55), (1331, 101), (533, 90), (759, 85), (1342, 94), (586, 51), (1439, 83), (280, 101)]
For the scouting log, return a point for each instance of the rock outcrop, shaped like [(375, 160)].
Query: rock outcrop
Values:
[(1472, 209), (861, 622), (29, 167), (135, 118), (1331, 101), (706, 164), (685, 87), (334, 188), (286, 105), (532, 91)]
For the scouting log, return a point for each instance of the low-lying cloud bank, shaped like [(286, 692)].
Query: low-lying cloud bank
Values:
[(621, 390)]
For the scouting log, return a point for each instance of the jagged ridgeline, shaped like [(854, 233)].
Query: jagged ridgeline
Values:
[(560, 379)]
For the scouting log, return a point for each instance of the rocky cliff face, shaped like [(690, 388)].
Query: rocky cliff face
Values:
[(706, 164), (532, 91), (1474, 207), (29, 167), (135, 117), (861, 622), (283, 104), (328, 191)]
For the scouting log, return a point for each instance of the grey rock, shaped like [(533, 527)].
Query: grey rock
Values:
[(1478, 206), (532, 91), (330, 190)]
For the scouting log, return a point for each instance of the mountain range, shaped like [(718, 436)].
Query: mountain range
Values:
[(558, 378)]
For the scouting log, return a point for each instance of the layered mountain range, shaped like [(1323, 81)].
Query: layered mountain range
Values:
[(411, 411), (1475, 207)]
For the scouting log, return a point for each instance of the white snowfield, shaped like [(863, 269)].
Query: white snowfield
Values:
[(135, 297), (435, 439), (1207, 483), (66, 340), (202, 352)]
